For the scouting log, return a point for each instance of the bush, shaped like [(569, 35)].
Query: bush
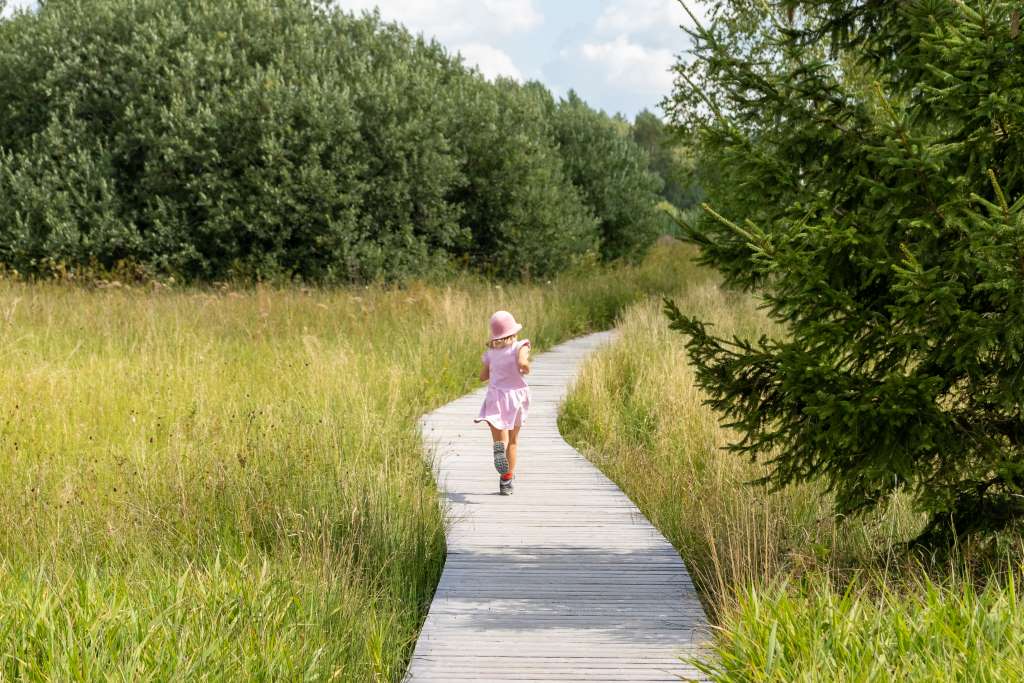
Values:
[(670, 160), (260, 139), (525, 215), (246, 137)]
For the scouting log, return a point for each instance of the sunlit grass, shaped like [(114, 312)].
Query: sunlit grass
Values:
[(930, 631), (230, 484), (773, 568)]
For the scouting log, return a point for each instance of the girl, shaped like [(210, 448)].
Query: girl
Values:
[(505, 362)]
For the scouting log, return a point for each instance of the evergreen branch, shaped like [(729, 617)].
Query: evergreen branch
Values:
[(696, 22), (831, 25), (1018, 205), (914, 156), (756, 241), (771, 15), (700, 93), (690, 233), (993, 208), (999, 194), (698, 331), (969, 12)]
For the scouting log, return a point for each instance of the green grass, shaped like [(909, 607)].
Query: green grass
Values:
[(216, 484), (932, 632), (797, 592)]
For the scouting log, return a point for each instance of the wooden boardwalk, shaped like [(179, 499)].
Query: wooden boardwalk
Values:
[(564, 580)]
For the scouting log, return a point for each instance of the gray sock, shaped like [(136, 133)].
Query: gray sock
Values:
[(500, 459)]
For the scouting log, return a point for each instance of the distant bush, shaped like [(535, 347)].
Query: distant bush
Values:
[(612, 174), (670, 159), (524, 213), (271, 139)]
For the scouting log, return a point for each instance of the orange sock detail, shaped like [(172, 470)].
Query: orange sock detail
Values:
[(506, 477)]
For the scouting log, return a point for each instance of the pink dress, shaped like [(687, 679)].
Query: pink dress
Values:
[(508, 395)]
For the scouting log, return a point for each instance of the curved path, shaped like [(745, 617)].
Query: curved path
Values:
[(566, 579)]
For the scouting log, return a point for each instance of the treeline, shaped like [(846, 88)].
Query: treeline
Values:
[(671, 158), (260, 139)]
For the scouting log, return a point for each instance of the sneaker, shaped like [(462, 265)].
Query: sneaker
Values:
[(505, 487), (500, 461)]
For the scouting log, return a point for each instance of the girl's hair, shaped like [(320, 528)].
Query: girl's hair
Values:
[(504, 341)]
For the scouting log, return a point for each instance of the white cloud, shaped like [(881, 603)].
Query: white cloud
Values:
[(514, 15), (456, 20), (631, 66), (626, 53), (17, 4), (653, 22), (470, 27), (491, 61)]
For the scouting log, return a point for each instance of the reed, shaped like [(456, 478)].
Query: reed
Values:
[(229, 483)]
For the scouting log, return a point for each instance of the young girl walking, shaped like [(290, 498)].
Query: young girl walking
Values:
[(505, 362)]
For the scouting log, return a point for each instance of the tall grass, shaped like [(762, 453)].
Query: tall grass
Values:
[(637, 412), (789, 583), (229, 484), (928, 631)]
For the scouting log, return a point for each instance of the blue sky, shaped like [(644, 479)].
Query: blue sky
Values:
[(614, 53)]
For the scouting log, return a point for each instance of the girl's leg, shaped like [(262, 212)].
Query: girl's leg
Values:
[(500, 438), (513, 446), (499, 434)]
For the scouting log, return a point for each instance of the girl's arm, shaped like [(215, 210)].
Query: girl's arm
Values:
[(485, 370), (523, 358)]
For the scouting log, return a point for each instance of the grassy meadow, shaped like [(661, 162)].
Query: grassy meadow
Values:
[(797, 594), (228, 484)]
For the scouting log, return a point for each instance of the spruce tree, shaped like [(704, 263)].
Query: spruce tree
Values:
[(869, 184)]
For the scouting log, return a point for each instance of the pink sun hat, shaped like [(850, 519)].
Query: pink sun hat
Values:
[(503, 325)]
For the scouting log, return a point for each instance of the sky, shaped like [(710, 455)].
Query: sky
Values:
[(615, 54)]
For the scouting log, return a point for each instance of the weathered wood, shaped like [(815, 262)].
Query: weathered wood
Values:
[(564, 580)]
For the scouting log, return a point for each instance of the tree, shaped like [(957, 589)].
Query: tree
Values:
[(272, 139), (669, 159), (871, 186), (526, 217), (252, 138), (610, 171)]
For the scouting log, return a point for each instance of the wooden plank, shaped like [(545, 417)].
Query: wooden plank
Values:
[(564, 580)]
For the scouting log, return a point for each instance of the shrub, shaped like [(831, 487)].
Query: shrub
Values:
[(670, 160), (525, 215), (249, 136), (258, 139)]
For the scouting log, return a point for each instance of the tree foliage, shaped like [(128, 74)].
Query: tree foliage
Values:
[(525, 214), (272, 138), (612, 174), (871, 183), (670, 159)]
